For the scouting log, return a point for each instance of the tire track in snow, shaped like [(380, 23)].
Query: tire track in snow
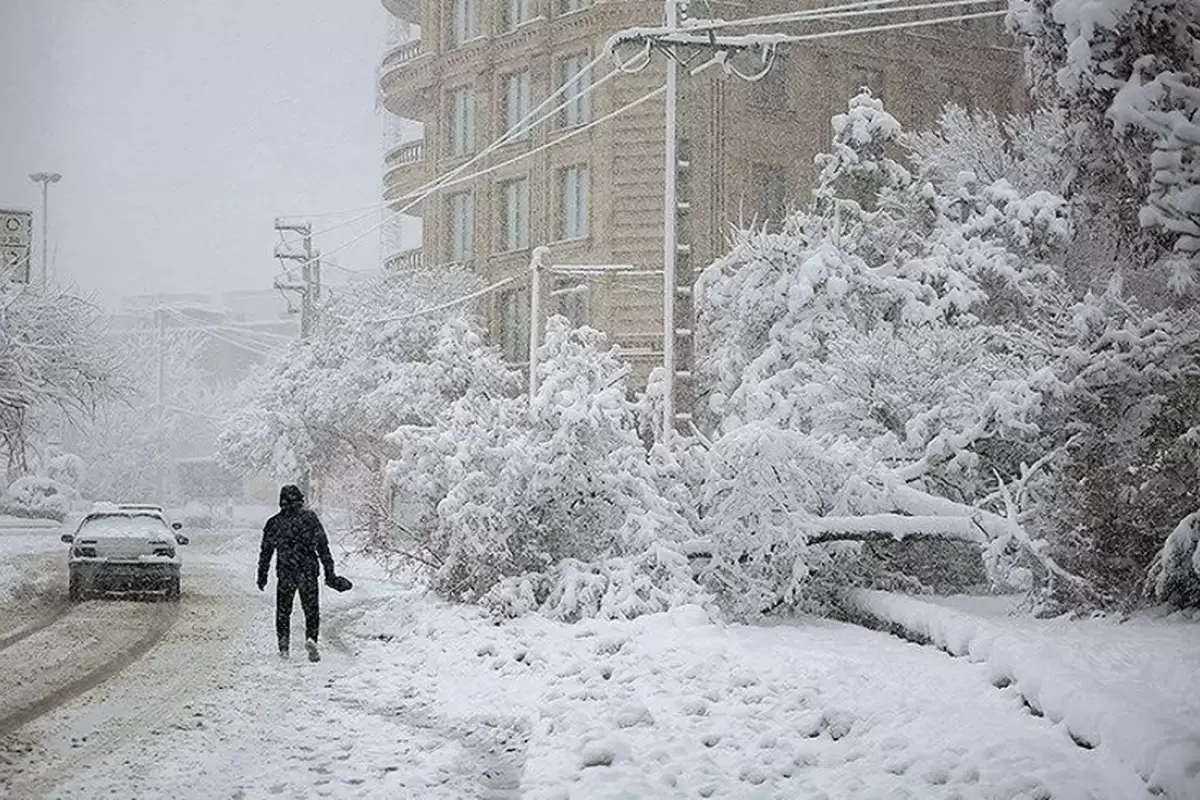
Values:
[(116, 717), (11, 637), (160, 623)]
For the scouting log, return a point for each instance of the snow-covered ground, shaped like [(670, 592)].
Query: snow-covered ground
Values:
[(1127, 689), (416, 698), (28, 549), (674, 705)]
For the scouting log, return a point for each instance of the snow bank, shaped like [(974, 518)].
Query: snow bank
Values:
[(1127, 691), (673, 705)]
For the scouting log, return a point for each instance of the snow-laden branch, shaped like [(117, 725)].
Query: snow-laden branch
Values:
[(896, 527)]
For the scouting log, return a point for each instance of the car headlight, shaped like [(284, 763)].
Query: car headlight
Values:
[(85, 552), (168, 552)]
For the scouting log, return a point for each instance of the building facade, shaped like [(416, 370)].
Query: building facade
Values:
[(468, 70)]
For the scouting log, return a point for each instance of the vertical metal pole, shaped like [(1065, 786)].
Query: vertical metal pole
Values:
[(307, 305), (306, 296), (670, 166), (161, 397), (535, 318), (45, 229)]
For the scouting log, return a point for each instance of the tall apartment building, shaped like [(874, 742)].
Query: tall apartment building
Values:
[(473, 68)]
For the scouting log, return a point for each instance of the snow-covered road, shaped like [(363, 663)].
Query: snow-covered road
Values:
[(419, 699)]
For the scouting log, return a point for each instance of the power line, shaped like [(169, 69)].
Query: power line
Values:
[(774, 39), (258, 349), (525, 124), (449, 180), (569, 135), (458, 301)]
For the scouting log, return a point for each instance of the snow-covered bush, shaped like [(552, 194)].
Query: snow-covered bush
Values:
[(1175, 574), (547, 490), (765, 485), (1128, 464), (36, 498), (655, 580), (65, 468)]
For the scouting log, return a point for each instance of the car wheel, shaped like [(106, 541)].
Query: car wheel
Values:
[(74, 587), (173, 590)]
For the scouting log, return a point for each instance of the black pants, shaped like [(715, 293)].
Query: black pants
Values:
[(310, 602)]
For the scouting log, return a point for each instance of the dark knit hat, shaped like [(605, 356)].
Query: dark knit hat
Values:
[(291, 495)]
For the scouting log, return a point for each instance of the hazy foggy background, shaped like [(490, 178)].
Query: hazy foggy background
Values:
[(183, 128)]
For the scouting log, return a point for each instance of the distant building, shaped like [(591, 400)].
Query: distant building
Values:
[(235, 330), (470, 69)]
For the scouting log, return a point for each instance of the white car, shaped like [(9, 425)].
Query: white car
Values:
[(118, 549)]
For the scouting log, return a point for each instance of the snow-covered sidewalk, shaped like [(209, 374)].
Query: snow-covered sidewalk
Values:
[(673, 705), (1126, 689)]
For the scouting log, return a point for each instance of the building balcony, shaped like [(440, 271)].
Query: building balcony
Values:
[(408, 10), (405, 260), (404, 75), (406, 170)]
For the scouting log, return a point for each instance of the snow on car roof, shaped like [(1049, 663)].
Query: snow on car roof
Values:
[(109, 524)]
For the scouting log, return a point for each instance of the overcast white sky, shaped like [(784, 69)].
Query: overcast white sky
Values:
[(183, 127)]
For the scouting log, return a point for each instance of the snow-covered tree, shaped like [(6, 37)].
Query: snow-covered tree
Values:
[(1127, 77), (387, 353), (128, 446), (534, 498), (899, 346), (51, 356)]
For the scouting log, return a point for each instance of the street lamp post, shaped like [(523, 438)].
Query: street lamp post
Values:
[(45, 179)]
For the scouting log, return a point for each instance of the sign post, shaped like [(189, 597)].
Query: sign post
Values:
[(16, 237)]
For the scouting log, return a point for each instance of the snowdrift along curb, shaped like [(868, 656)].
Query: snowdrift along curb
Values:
[(1164, 751)]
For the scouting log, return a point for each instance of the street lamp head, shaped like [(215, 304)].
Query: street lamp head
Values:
[(45, 177)]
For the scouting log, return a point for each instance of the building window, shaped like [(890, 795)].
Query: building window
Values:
[(465, 24), (770, 181), (462, 121), (514, 325), (517, 13), (461, 213), (514, 214), (568, 6), (576, 76), (770, 92), (573, 201), (518, 103), (870, 77)]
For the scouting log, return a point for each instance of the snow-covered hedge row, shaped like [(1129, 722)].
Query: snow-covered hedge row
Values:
[(36, 498), (1161, 751)]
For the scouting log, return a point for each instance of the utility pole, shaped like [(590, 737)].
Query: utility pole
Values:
[(670, 231), (45, 179), (160, 323), (309, 289)]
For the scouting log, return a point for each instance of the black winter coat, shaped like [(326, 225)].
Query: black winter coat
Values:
[(297, 540)]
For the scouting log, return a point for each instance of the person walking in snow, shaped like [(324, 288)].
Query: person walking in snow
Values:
[(297, 541)]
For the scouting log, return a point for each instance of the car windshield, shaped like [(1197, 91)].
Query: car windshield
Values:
[(110, 525)]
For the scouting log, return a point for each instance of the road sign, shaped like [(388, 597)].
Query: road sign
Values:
[(16, 235)]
